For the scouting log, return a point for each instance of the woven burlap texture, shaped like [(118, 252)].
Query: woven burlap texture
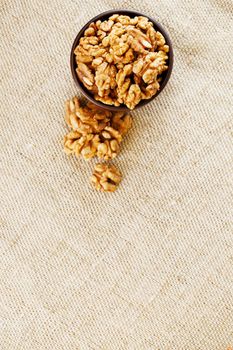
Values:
[(149, 267)]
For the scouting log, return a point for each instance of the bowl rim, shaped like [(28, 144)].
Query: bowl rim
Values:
[(130, 13)]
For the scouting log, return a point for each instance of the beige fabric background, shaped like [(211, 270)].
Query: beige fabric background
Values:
[(149, 267)]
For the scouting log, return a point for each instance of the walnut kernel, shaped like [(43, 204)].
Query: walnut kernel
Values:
[(106, 178)]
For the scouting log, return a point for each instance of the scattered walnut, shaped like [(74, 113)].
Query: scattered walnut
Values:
[(121, 60), (109, 145), (95, 131), (122, 122), (69, 141), (70, 107), (106, 178), (86, 119), (86, 145)]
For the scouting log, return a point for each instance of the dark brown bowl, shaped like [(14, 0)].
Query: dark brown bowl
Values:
[(103, 16)]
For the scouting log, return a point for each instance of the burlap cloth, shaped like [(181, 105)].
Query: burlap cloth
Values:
[(150, 266)]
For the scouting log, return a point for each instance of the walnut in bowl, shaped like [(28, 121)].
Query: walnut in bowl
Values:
[(121, 60)]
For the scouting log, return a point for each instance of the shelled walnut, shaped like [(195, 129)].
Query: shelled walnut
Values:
[(121, 60), (78, 144), (95, 131), (106, 178), (109, 145), (86, 118)]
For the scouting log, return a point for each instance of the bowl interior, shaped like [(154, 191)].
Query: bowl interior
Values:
[(103, 16)]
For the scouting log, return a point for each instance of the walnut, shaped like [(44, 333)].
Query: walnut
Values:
[(89, 31), (106, 25), (85, 145), (82, 51), (109, 145), (155, 67), (134, 21), (151, 34), (133, 96), (97, 52), (117, 31), (69, 141), (106, 41), (105, 78), (98, 23), (128, 56), (93, 26), (122, 90), (121, 122), (143, 22), (160, 39), (114, 17), (96, 62), (138, 65), (89, 121), (106, 178), (108, 100), (150, 90), (165, 48), (120, 49), (102, 79), (86, 119), (121, 59), (109, 58), (112, 74), (82, 55), (88, 42), (85, 75), (123, 19), (101, 34), (123, 83), (150, 66), (123, 73), (70, 107), (138, 40)]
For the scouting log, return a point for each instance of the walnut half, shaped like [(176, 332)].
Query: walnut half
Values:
[(106, 178)]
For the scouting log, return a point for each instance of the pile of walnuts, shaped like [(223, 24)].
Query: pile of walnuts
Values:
[(96, 132), (120, 60)]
